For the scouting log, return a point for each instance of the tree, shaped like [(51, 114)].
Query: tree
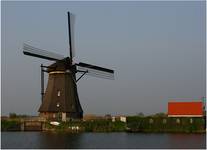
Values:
[(161, 114), (12, 115), (140, 114)]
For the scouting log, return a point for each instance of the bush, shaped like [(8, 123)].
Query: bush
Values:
[(12, 115), (10, 125), (156, 124)]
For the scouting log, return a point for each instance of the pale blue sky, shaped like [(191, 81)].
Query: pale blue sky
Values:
[(157, 50)]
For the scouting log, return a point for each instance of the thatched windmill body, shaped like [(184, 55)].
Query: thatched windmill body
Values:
[(60, 100)]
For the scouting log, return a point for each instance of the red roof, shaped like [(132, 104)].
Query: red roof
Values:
[(185, 108)]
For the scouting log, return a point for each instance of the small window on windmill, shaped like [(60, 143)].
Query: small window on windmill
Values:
[(58, 105), (58, 94)]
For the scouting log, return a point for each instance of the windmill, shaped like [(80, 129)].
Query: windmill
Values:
[(60, 99)]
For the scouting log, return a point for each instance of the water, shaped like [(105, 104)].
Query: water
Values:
[(101, 140)]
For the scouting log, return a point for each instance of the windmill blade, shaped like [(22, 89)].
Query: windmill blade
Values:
[(72, 24), (96, 71), (36, 52), (71, 33)]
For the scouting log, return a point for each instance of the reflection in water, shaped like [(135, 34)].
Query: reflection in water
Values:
[(59, 140), (100, 140), (186, 140)]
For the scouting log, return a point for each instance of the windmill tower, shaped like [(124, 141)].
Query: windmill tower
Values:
[(60, 100)]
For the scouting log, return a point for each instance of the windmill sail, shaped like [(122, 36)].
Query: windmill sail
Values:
[(71, 34), (96, 71), (36, 52), (72, 24)]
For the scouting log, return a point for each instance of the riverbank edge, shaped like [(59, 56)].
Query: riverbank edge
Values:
[(106, 126)]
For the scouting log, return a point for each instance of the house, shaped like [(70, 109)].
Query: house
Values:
[(118, 118), (185, 109), (123, 118)]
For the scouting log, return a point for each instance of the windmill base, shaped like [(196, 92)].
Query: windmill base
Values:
[(61, 100), (60, 116)]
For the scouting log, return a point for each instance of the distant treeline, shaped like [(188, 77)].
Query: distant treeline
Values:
[(14, 115)]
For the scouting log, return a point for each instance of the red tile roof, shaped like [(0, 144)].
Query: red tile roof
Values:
[(185, 108)]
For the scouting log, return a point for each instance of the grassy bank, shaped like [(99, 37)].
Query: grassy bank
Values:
[(89, 126), (133, 124), (165, 124)]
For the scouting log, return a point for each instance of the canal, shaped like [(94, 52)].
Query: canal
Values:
[(51, 140)]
